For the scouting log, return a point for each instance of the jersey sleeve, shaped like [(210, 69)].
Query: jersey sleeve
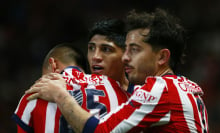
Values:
[(22, 115), (146, 107)]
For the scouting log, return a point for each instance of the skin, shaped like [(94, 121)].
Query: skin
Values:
[(141, 60), (104, 57), (136, 51), (52, 87), (55, 65)]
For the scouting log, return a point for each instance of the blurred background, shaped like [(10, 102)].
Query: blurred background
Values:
[(29, 28)]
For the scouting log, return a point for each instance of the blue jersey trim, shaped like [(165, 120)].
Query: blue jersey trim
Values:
[(24, 126), (74, 67), (90, 125), (130, 88)]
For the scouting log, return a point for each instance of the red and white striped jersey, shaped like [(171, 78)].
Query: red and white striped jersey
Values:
[(97, 94), (164, 104)]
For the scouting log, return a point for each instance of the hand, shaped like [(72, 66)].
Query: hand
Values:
[(49, 87)]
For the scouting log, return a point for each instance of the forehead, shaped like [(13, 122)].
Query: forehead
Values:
[(136, 36), (101, 40)]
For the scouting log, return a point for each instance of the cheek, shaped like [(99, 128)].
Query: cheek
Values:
[(89, 58), (115, 63), (143, 63), (148, 65)]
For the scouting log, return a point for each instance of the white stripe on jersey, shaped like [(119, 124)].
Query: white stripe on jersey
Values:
[(111, 96), (16, 111), (111, 93), (50, 117), (187, 107), (140, 113), (28, 110), (163, 120)]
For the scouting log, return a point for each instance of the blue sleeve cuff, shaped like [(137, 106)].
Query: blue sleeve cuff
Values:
[(90, 125), (25, 127)]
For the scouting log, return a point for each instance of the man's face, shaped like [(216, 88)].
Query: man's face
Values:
[(105, 57), (139, 59)]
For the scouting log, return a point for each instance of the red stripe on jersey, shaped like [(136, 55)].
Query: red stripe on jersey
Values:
[(118, 117), (39, 116), (149, 83), (176, 108), (57, 120), (20, 130), (84, 103), (121, 95), (195, 112), (160, 110), (23, 103)]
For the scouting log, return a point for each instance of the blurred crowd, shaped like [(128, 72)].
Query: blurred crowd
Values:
[(28, 29)]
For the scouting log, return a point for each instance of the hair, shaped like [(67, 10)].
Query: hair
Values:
[(165, 32), (67, 54), (113, 29)]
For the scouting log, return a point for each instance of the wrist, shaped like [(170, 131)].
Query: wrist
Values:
[(61, 96)]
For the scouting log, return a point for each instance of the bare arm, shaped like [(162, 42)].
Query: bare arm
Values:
[(53, 88), (73, 113)]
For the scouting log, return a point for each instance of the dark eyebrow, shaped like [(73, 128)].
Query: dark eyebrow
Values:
[(133, 44), (91, 43)]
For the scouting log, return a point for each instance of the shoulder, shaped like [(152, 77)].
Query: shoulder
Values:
[(153, 82), (25, 108)]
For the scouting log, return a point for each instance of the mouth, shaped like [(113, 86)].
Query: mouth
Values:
[(97, 69), (128, 69)]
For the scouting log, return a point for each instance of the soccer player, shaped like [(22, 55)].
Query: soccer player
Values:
[(42, 116), (104, 51), (165, 103)]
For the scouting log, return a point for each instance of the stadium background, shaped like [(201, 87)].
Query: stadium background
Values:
[(28, 29)]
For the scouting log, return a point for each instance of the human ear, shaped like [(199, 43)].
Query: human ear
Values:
[(164, 56), (53, 64)]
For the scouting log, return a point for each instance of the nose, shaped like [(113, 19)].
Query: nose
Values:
[(97, 56), (126, 57)]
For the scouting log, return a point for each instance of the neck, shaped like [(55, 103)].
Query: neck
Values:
[(123, 82), (164, 71)]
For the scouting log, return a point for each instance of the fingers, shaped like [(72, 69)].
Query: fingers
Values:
[(34, 89), (33, 96), (52, 76), (37, 86)]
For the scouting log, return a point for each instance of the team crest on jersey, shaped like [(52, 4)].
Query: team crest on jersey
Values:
[(189, 86), (143, 96)]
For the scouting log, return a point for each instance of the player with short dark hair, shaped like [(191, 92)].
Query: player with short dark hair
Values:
[(96, 93), (105, 49), (61, 56), (39, 115), (165, 103)]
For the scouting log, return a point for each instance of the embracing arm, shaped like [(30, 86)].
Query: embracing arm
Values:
[(53, 88), (74, 114)]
